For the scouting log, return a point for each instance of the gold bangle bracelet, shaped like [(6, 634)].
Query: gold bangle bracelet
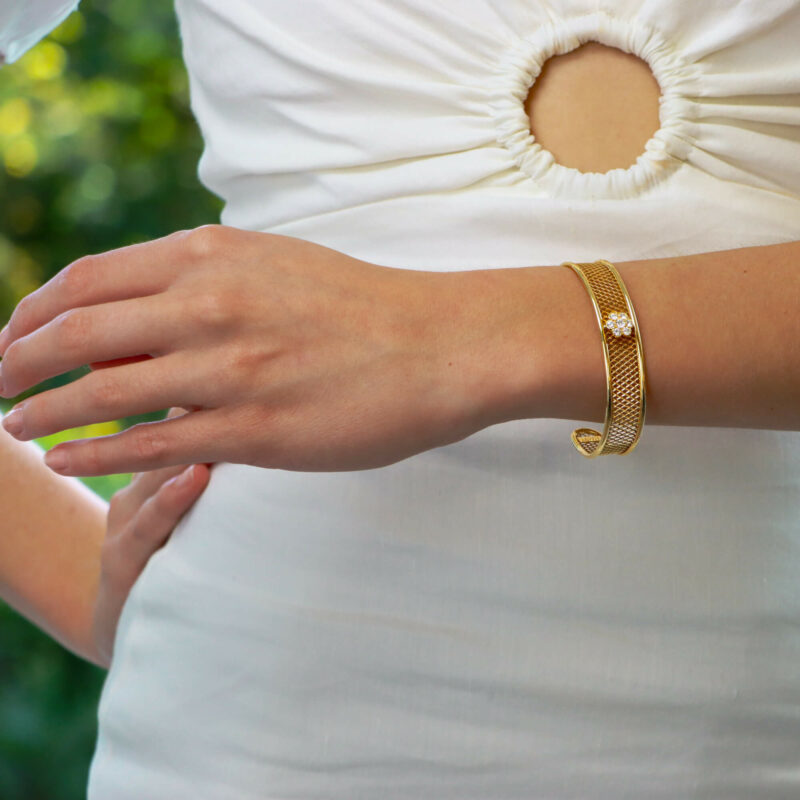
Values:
[(624, 358)]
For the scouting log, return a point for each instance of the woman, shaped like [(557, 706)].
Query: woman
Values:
[(401, 582)]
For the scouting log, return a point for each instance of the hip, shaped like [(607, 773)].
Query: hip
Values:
[(488, 618)]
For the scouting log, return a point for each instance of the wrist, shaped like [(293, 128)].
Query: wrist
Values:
[(537, 352)]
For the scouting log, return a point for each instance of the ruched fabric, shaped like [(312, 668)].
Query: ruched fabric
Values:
[(519, 66), (353, 124), (499, 618)]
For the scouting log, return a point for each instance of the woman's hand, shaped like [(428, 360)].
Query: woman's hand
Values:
[(291, 355), (141, 517)]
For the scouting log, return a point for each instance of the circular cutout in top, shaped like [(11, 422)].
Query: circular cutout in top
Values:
[(518, 67), (594, 108)]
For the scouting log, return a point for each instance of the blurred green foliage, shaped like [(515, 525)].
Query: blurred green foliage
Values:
[(98, 150)]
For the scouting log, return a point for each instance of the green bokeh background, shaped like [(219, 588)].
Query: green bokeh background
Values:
[(98, 150)]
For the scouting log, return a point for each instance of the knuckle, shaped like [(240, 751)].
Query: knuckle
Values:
[(77, 277), (89, 457), (116, 504), (213, 309), (178, 235), (22, 321), (152, 524), (142, 529), (139, 536), (73, 329), (17, 323), (148, 444), (241, 363), (204, 241), (42, 416), (105, 393)]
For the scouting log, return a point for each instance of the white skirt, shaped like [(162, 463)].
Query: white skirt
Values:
[(498, 618)]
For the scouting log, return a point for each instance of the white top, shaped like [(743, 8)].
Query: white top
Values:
[(498, 618)]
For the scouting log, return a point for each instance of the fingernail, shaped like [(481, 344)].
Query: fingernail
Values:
[(56, 460), (186, 477), (3, 337), (13, 422)]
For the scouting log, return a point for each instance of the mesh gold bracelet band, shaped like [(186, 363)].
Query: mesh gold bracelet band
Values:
[(624, 358)]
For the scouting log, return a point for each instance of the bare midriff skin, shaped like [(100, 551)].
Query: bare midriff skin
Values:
[(594, 108)]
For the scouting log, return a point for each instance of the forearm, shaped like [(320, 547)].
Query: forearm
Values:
[(51, 534), (720, 332)]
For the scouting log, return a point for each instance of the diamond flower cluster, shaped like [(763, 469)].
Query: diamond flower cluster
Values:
[(619, 323)]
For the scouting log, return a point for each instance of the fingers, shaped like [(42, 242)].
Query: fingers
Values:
[(143, 484), (128, 500), (157, 517), (139, 387), (134, 535), (97, 333), (134, 271), (191, 438)]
